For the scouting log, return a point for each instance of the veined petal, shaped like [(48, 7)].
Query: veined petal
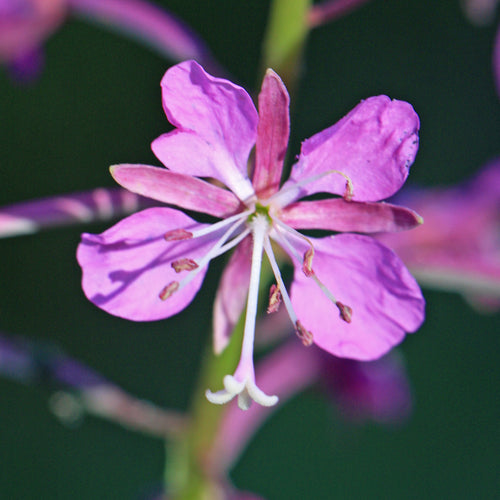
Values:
[(126, 267), (374, 145), (336, 214), (216, 127), (174, 188), (272, 135), (385, 299), (231, 294)]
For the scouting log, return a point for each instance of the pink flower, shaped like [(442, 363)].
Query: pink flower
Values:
[(24, 26), (150, 265), (458, 247)]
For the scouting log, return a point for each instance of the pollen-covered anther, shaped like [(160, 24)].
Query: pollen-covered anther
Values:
[(307, 263), (169, 290), (274, 299), (184, 264), (348, 193), (177, 235), (304, 335), (345, 312)]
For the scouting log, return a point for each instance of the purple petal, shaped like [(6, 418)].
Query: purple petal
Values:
[(126, 267), (361, 273), (336, 214), (181, 190), (216, 127), (272, 135), (374, 145), (231, 294)]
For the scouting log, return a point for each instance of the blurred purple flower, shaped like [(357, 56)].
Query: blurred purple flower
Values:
[(373, 390), (458, 247), (26, 24), (479, 12), (99, 204), (80, 389), (132, 270)]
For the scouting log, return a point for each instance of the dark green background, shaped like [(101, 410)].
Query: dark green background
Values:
[(98, 103)]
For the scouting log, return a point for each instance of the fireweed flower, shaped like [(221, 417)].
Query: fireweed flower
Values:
[(458, 247), (350, 295)]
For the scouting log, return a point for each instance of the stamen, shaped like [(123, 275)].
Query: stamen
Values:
[(348, 193), (184, 264), (307, 264), (274, 299), (345, 312), (169, 290), (305, 335), (214, 251), (308, 255), (177, 235), (281, 285), (222, 223), (223, 249), (290, 193)]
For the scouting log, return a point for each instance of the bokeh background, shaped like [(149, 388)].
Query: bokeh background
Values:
[(97, 103)]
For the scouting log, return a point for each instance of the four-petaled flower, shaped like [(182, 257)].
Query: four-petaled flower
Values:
[(350, 295)]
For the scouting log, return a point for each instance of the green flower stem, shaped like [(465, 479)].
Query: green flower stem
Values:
[(285, 37), (186, 474)]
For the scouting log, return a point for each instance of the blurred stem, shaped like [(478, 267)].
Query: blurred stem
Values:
[(284, 40), (187, 474)]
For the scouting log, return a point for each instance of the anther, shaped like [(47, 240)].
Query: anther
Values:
[(348, 193), (184, 264), (274, 299), (305, 335), (169, 290), (345, 312), (177, 235), (307, 262)]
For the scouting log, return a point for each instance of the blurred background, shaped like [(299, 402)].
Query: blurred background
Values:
[(96, 103)]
